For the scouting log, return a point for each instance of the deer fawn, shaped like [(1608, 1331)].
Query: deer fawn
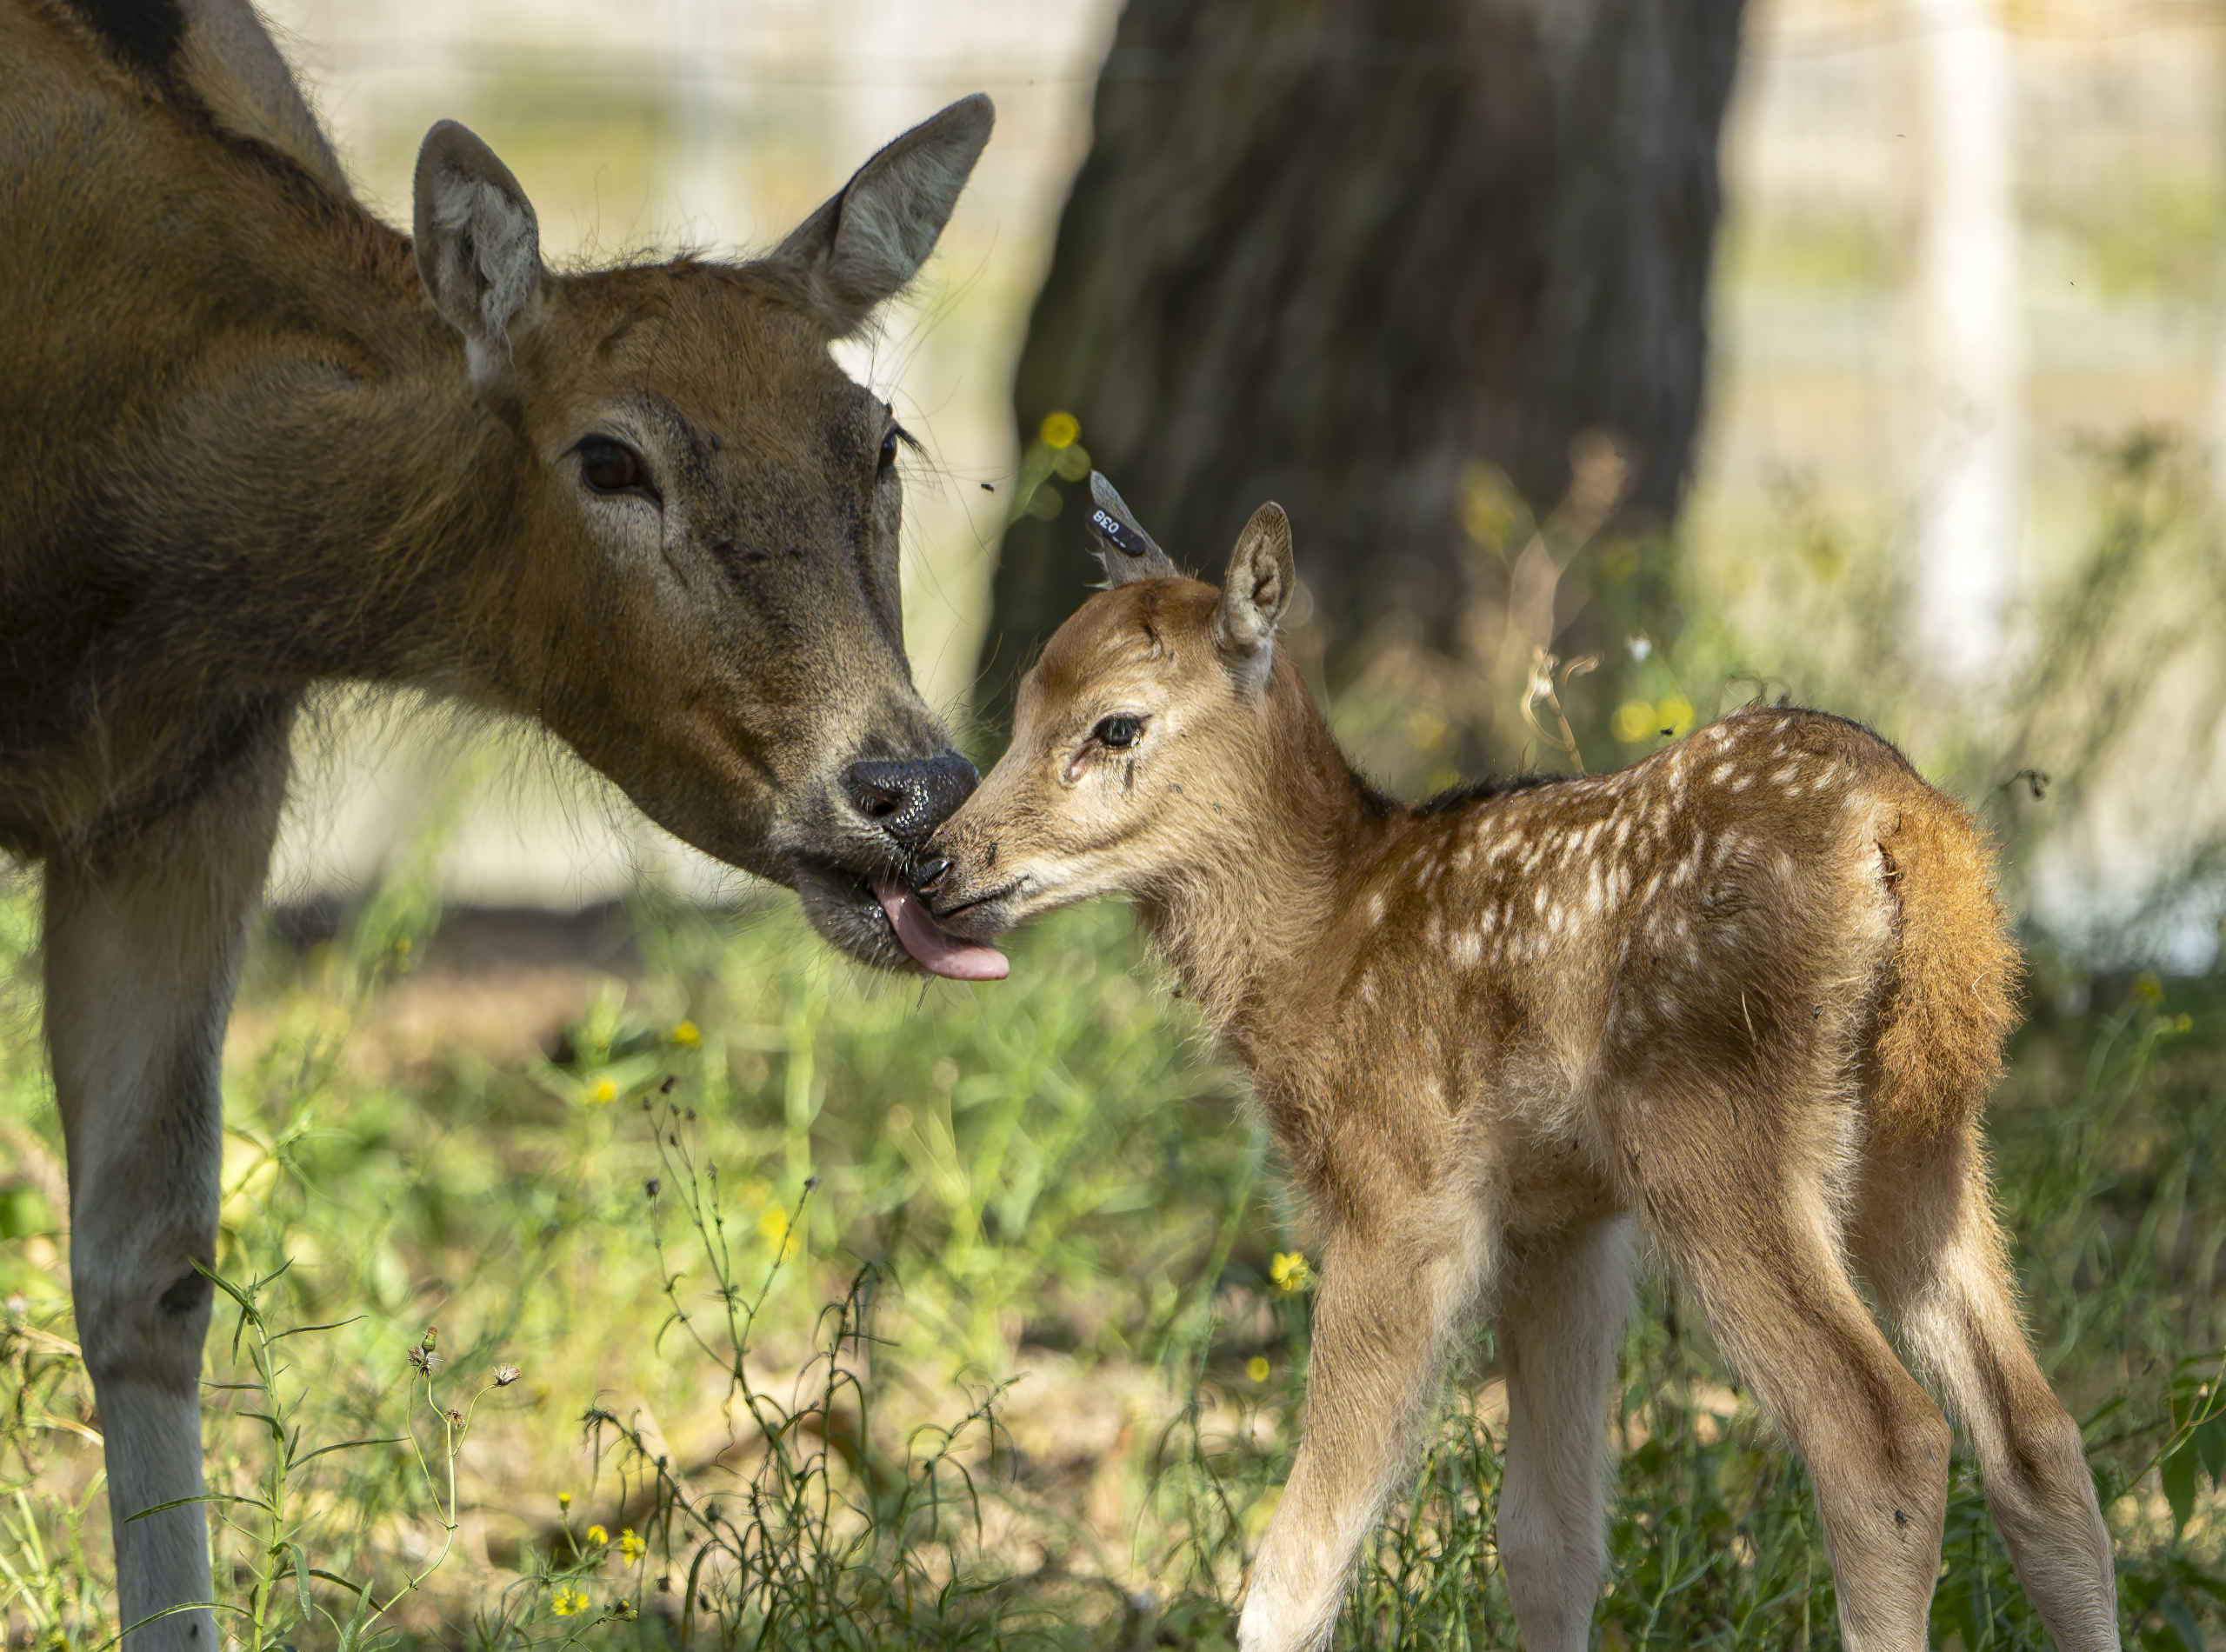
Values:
[(257, 439), (1750, 992)]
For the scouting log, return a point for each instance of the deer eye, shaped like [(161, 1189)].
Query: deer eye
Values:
[(609, 466), (897, 433), (1117, 732)]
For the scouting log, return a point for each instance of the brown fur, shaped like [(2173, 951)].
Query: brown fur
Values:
[(256, 439), (246, 456), (1750, 991)]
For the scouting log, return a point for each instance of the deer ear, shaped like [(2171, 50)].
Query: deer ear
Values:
[(479, 246), (1256, 589), (861, 246), (1127, 550)]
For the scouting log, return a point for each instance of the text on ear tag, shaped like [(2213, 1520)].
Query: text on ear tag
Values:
[(1117, 533)]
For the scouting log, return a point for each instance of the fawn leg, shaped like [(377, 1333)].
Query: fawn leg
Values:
[(1390, 1303), (1562, 1313), (1929, 1243), (142, 950), (1755, 1242)]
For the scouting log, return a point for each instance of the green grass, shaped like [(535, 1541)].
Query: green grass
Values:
[(853, 1314), (928, 1319)]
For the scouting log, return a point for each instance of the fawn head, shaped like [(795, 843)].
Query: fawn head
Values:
[(1154, 716), (701, 593)]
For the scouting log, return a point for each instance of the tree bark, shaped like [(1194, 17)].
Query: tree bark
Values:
[(1386, 261)]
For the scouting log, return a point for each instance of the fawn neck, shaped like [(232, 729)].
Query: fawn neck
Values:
[(1243, 918)]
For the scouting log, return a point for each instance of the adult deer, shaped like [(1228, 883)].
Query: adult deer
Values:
[(256, 439), (1750, 992)]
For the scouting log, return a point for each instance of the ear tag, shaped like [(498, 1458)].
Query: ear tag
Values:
[(1116, 533)]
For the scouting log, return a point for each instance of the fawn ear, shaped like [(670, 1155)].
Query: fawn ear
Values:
[(478, 246), (1127, 550), (864, 245), (1255, 592)]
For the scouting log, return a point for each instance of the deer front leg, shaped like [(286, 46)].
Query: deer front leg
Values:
[(142, 952), (1390, 1304)]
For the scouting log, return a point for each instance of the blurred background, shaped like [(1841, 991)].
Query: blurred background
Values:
[(1828, 349), (1620, 362)]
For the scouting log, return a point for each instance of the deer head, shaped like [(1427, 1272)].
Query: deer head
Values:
[(703, 511), (1144, 739)]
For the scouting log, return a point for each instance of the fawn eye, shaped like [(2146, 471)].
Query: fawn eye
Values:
[(897, 433), (1117, 732), (609, 466)]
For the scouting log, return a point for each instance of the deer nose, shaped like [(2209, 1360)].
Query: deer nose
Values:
[(928, 875), (908, 797)]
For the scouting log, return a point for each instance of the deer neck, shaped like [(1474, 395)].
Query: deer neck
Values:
[(1242, 922), (342, 516)]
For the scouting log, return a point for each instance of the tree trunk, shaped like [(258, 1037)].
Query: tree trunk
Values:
[(1388, 261)]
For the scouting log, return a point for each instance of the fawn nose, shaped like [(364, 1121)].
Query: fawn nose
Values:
[(908, 797)]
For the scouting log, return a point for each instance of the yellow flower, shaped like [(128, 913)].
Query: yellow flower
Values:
[(1633, 721), (569, 1601), (630, 1548), (687, 1035), (1256, 1367), (564, 1500), (1060, 429), (1490, 506), (2148, 988), (596, 1534), (773, 1228), (1676, 713), (2183, 1022), (603, 1094), (1290, 1271)]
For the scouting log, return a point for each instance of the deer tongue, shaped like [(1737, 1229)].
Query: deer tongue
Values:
[(933, 947)]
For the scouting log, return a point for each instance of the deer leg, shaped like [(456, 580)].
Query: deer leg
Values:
[(1755, 1240), (1390, 1303), (142, 950), (1562, 1313), (1931, 1249)]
